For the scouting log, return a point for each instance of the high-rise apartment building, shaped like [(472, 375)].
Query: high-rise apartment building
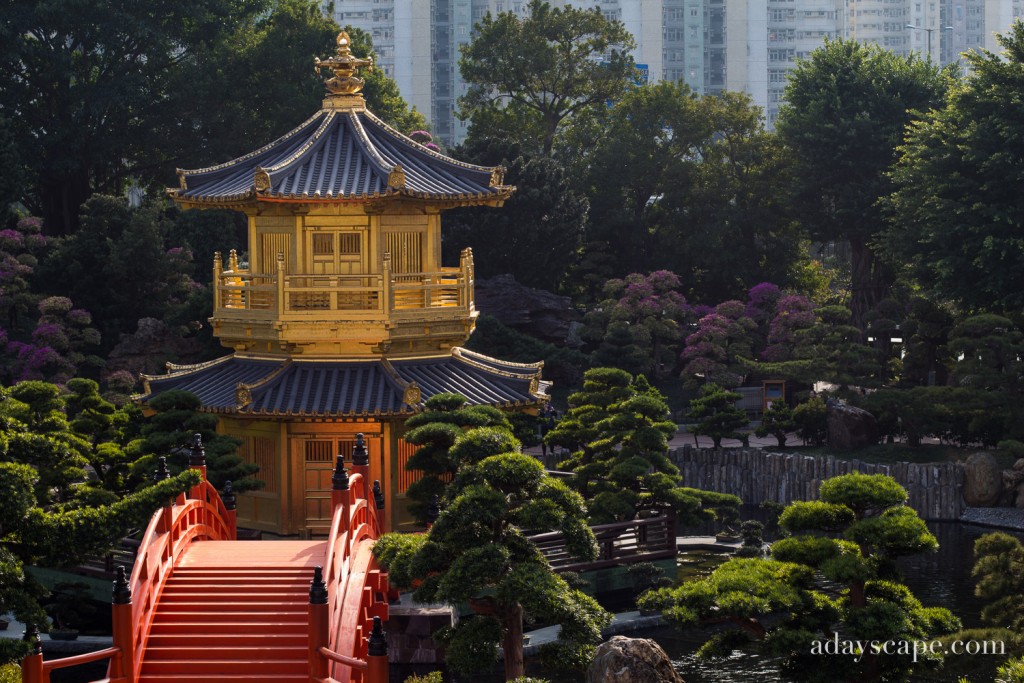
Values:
[(710, 45)]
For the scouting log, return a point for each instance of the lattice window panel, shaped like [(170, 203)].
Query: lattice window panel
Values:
[(323, 244), (406, 251), (325, 450), (271, 245), (349, 243), (320, 450)]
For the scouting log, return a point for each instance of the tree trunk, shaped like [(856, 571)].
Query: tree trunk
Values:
[(857, 597), (869, 282), (61, 197), (512, 643)]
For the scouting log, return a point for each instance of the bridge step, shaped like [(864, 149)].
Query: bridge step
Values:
[(192, 639), (238, 604), (266, 625), (246, 622), (261, 667), (249, 678)]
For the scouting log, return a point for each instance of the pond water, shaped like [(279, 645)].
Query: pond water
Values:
[(942, 579)]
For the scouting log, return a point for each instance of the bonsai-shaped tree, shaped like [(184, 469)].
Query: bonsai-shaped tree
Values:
[(435, 431), (752, 533), (811, 419), (617, 429), (171, 433), (999, 568), (851, 536), (477, 552), (716, 413), (777, 421)]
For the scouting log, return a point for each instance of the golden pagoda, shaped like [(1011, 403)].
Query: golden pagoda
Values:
[(344, 320)]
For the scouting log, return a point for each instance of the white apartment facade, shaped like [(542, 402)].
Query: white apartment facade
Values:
[(710, 45)]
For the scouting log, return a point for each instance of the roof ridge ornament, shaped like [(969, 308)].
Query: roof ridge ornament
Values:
[(344, 65), (396, 178), (261, 179)]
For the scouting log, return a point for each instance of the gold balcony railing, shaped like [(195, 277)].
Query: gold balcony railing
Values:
[(240, 294)]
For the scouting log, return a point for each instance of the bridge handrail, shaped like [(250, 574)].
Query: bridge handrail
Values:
[(87, 658), (342, 659), (355, 588), (200, 516)]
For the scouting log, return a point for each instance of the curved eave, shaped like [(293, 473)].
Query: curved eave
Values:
[(245, 412), (253, 198), (270, 146), (426, 150)]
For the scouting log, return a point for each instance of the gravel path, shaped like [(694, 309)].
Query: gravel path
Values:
[(1003, 518)]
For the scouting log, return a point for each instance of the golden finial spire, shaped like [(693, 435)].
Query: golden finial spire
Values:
[(344, 66)]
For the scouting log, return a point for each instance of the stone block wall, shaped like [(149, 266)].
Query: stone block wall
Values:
[(755, 475)]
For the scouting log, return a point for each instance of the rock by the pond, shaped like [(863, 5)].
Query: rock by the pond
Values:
[(983, 480), (850, 428), (631, 660)]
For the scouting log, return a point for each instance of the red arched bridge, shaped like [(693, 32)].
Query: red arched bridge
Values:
[(203, 606)]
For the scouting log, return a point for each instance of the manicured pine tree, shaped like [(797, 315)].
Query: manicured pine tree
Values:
[(716, 413), (477, 552), (435, 431), (171, 432), (999, 568), (617, 429), (851, 536), (777, 421)]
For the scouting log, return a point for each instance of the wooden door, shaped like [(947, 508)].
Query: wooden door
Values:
[(334, 252), (320, 454)]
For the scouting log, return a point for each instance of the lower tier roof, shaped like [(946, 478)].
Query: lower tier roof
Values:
[(244, 385)]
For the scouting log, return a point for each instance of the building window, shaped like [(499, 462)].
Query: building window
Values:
[(348, 243), (323, 244)]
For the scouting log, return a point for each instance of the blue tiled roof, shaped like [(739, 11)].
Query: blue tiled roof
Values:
[(340, 155), (325, 388), (213, 383), (247, 386)]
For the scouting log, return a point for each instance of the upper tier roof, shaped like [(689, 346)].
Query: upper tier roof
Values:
[(341, 154)]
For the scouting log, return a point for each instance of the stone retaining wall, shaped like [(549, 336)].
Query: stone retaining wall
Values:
[(756, 476)]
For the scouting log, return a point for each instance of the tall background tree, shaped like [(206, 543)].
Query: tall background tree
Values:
[(74, 73), (956, 209), (684, 183), (536, 235), (174, 82), (847, 108), (546, 68)]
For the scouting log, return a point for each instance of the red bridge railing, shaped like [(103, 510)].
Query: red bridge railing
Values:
[(348, 598), (199, 515)]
